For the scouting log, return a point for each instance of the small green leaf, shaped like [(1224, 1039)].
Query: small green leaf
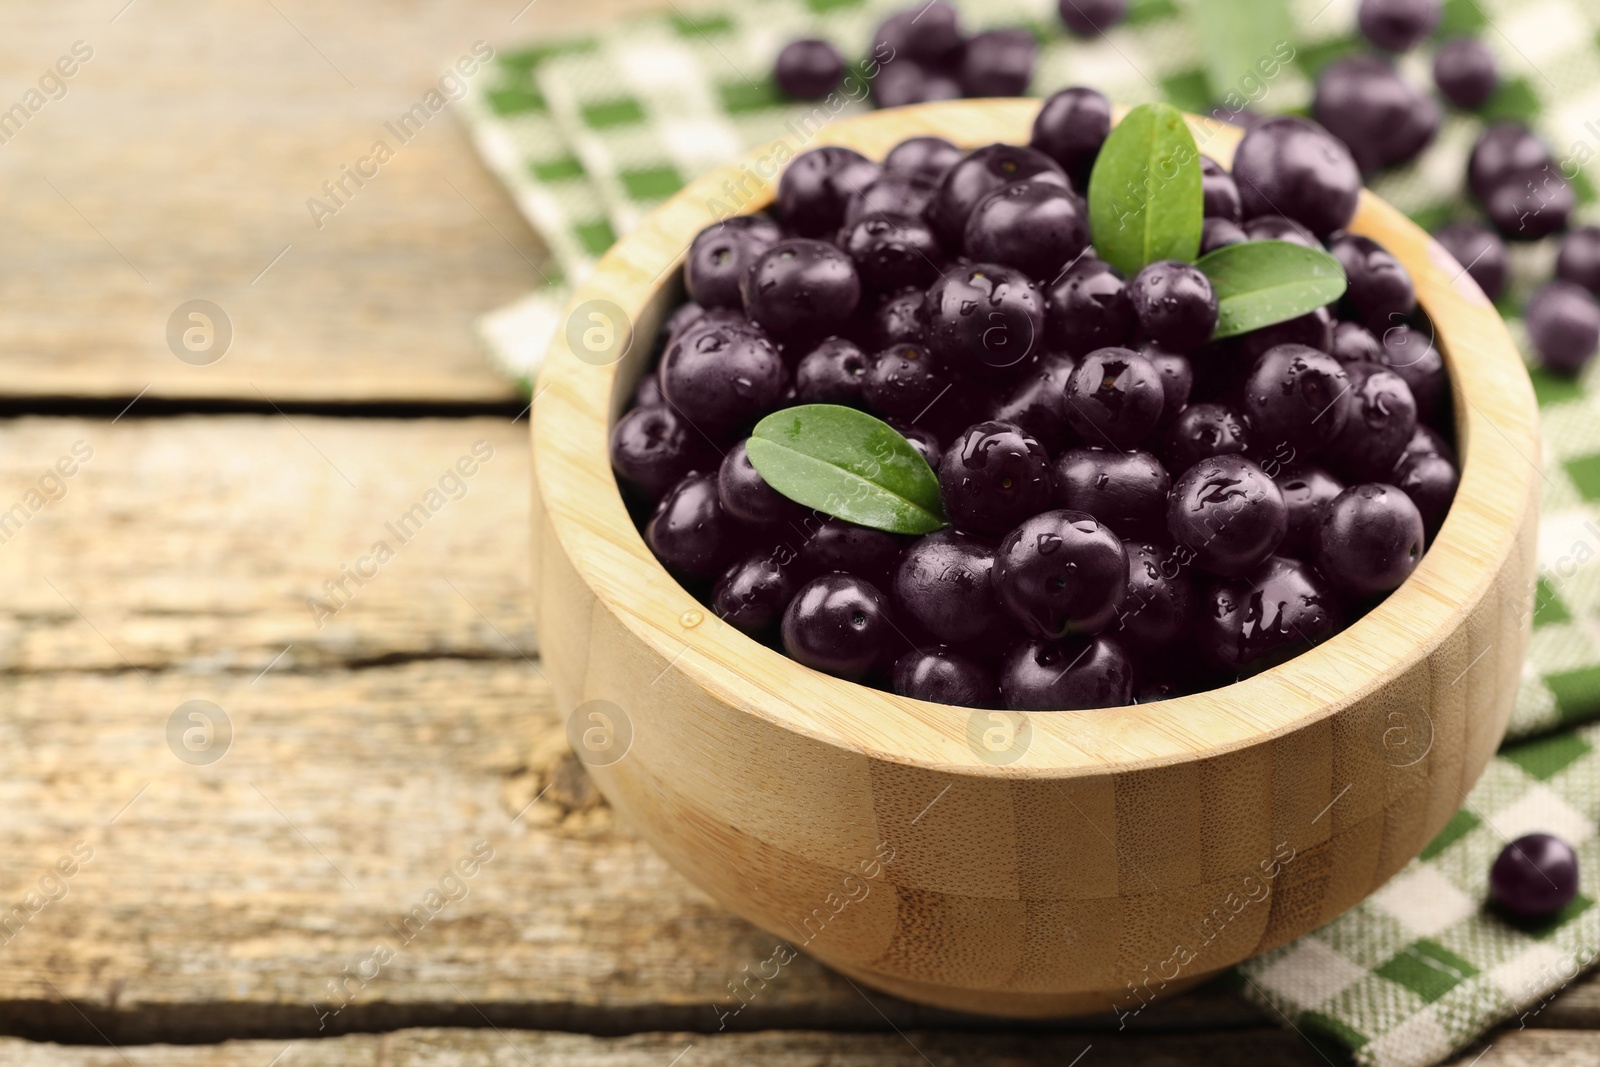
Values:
[(1145, 201), (847, 464), (1259, 283)]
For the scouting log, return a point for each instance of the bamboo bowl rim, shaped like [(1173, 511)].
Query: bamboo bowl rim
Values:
[(576, 403)]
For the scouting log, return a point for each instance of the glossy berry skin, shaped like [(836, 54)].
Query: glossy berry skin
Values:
[(1202, 431), (817, 185), (836, 545), (1579, 259), (808, 69), (1383, 415), (1071, 126), (975, 177), (992, 477), (1354, 343), (720, 377), (653, 448), (1278, 228), (1290, 166), (924, 441), (1035, 227), (1220, 193), (943, 584), (1177, 378), (1061, 572), (1218, 233), (1114, 397), (831, 373), (1398, 25), (1088, 307), (898, 319), (1072, 675), (1126, 491), (1563, 323), (1089, 17), (720, 255), (1228, 514), (1380, 292), (1307, 492), (1534, 876), (837, 624), (998, 63), (1382, 118), (892, 196), (923, 159), (1313, 329), (1502, 151), (1297, 396), (1370, 540), (753, 592), (745, 495), (1413, 355), (1465, 72), (903, 381), (689, 530), (1430, 480), (982, 315), (801, 287), (892, 253), (1175, 305), (943, 676), (1483, 255), (1160, 600), (1531, 205), (1278, 611), (1037, 402)]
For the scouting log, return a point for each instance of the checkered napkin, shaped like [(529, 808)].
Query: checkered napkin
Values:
[(591, 133)]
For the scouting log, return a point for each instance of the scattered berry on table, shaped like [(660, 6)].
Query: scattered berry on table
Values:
[(1534, 876)]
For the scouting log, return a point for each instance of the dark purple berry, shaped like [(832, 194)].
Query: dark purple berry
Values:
[(1383, 415), (1088, 307), (943, 584), (838, 624), (1354, 343), (1036, 227), (753, 592), (1071, 126), (653, 448), (978, 175), (1482, 254), (647, 391), (1398, 25), (905, 81), (1177, 378), (1531, 205), (1038, 403), (1278, 228), (983, 315), (1370, 539), (832, 373), (1534, 876), (1160, 598), (808, 69), (1175, 304), (1314, 329), (1293, 167), (903, 382), (998, 62), (1502, 151), (891, 196), (1221, 194), (1307, 492), (1276, 612), (934, 33), (1061, 572), (1072, 675), (720, 255), (1578, 261), (689, 530), (686, 315), (801, 287), (1202, 431), (1430, 481), (1114, 397), (720, 377), (1382, 118), (992, 477), (1296, 396), (836, 545), (924, 441), (1466, 72), (1126, 491), (1228, 514), (898, 319), (923, 159), (893, 252), (1380, 292), (1086, 17), (1563, 323), (745, 495), (817, 186), (1413, 355), (943, 676), (1220, 233)]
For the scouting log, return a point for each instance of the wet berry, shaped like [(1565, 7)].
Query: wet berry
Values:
[(817, 186), (838, 624), (1114, 397), (978, 175), (892, 252), (943, 585), (904, 381), (745, 495), (654, 447), (1160, 600), (1370, 539), (1175, 305), (981, 316), (1279, 610), (1293, 167), (1380, 292), (1307, 491), (923, 159), (1228, 514), (801, 288), (1297, 396), (1061, 572), (720, 377), (1088, 307), (1036, 227), (1071, 126), (943, 676), (720, 255), (1202, 431), (1037, 402), (1126, 491), (753, 592), (831, 373), (836, 545), (689, 530), (1354, 343), (1076, 674), (1220, 192), (992, 477), (1383, 416)]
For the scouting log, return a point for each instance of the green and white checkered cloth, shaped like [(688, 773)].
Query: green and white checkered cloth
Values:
[(590, 133)]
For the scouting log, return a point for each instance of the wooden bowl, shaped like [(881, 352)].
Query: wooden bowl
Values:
[(1023, 864)]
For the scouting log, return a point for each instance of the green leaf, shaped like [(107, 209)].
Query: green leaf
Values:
[(847, 464), (1245, 44), (1145, 201), (1259, 283)]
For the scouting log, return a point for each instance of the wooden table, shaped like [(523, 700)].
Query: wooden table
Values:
[(298, 901)]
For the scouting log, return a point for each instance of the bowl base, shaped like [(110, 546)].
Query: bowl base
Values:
[(1117, 1002)]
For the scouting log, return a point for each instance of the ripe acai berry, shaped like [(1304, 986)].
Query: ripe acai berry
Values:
[(992, 477), (720, 255), (982, 315), (1369, 540), (808, 69), (1071, 126), (942, 676), (1114, 397), (1075, 673), (1175, 305), (1061, 572), (1036, 227), (838, 624), (801, 287), (979, 174), (1293, 167), (1466, 72), (1228, 514), (1534, 876)]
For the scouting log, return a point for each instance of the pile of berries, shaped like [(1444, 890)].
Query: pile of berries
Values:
[(1136, 509)]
